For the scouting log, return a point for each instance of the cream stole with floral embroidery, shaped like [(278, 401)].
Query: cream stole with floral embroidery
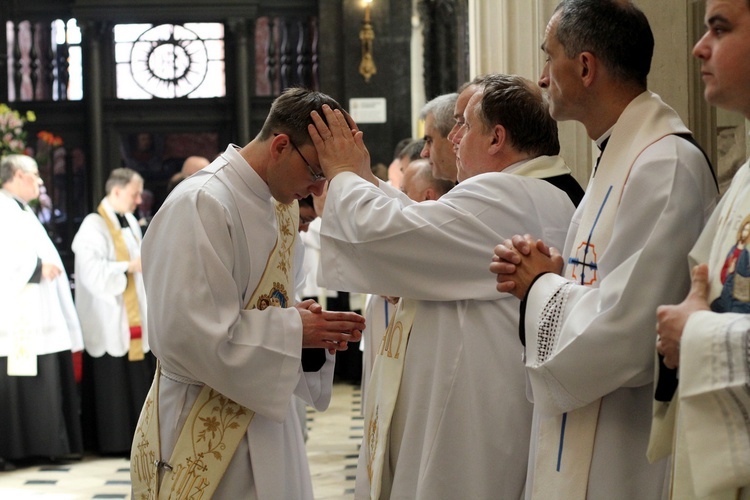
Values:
[(216, 424), (382, 391)]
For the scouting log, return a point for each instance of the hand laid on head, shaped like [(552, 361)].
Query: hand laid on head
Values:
[(521, 259), (332, 330), (339, 144), (50, 271), (671, 319)]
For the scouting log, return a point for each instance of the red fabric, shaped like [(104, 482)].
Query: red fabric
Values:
[(78, 366), (135, 332)]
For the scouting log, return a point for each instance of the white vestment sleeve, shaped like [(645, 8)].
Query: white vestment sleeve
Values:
[(714, 401), (434, 250), (395, 193), (315, 387), (299, 270)]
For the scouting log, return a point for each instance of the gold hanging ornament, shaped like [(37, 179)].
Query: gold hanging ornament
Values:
[(366, 36)]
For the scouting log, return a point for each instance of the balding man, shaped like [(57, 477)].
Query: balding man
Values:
[(419, 184), (192, 164)]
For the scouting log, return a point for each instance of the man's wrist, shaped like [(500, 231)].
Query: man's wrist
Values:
[(334, 171)]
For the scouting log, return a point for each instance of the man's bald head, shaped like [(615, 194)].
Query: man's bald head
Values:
[(192, 164), (419, 184)]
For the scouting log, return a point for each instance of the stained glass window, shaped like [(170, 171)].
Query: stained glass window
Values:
[(170, 61)]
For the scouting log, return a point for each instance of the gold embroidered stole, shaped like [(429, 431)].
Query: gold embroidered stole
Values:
[(216, 424), (566, 442), (130, 296), (383, 389)]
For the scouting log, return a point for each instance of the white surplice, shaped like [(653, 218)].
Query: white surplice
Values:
[(712, 450), (461, 424), (101, 281), (24, 241), (605, 334), (203, 256)]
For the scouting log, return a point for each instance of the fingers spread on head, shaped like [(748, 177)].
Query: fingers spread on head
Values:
[(314, 130), (359, 140), (342, 121), (332, 123)]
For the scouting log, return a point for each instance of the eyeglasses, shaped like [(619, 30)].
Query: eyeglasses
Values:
[(316, 176)]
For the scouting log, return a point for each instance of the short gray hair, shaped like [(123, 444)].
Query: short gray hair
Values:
[(11, 163), (441, 108), (617, 32)]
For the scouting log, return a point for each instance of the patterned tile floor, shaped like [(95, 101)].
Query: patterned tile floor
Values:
[(332, 446)]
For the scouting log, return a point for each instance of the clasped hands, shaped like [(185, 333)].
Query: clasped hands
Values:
[(340, 144), (519, 260), (332, 330)]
